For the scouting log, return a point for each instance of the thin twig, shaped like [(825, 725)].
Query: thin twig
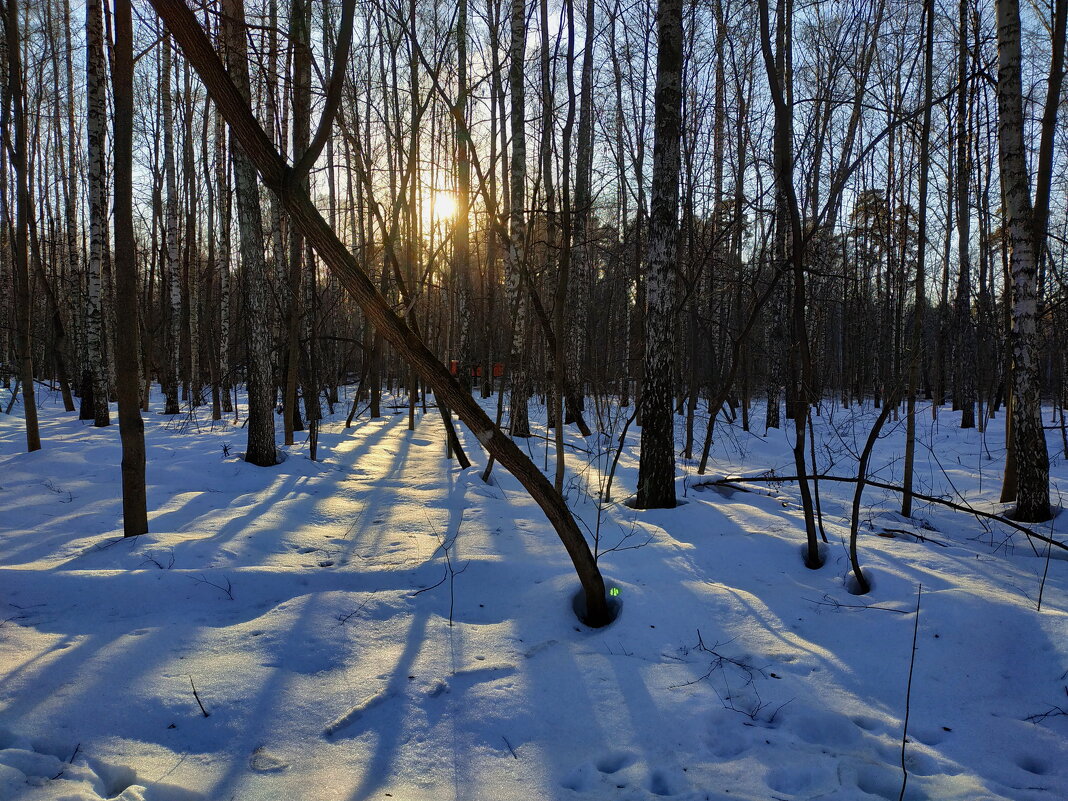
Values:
[(70, 761), (197, 696), (839, 605), (919, 537), (1052, 712), (908, 693), (228, 589), (1045, 569)]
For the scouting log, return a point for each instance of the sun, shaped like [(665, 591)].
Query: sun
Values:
[(444, 205)]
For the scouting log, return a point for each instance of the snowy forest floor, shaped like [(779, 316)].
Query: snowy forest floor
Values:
[(308, 607)]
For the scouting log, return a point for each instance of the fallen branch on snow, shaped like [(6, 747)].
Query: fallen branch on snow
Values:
[(732, 482)]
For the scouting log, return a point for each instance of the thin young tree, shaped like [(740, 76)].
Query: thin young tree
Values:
[(801, 363), (14, 110), (921, 260), (964, 366), (519, 425), (173, 314)]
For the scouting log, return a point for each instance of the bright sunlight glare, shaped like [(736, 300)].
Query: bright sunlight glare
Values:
[(444, 205)]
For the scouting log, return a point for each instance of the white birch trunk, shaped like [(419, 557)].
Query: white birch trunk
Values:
[(223, 260), (1028, 439), (174, 287)]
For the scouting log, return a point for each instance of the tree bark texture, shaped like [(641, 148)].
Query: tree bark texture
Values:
[(656, 470), (260, 449), (1028, 438), (127, 344)]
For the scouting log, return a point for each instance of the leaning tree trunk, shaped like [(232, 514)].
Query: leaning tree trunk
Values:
[(254, 142), (1028, 438), (656, 469)]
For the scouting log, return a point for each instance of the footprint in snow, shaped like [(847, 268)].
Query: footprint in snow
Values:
[(537, 649), (614, 762), (467, 678), (263, 761), (618, 770), (825, 728)]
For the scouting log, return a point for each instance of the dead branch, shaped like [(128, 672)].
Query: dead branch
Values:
[(730, 481)]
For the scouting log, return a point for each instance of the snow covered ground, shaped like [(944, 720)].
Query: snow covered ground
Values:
[(308, 608)]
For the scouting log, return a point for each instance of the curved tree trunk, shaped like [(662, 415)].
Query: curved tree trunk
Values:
[(254, 142)]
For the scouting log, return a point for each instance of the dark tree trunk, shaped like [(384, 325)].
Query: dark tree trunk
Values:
[(127, 344)]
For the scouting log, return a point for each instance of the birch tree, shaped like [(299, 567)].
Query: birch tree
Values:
[(1028, 440), (173, 336), (656, 470), (260, 449)]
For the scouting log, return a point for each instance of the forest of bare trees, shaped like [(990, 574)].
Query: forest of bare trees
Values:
[(679, 208)]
